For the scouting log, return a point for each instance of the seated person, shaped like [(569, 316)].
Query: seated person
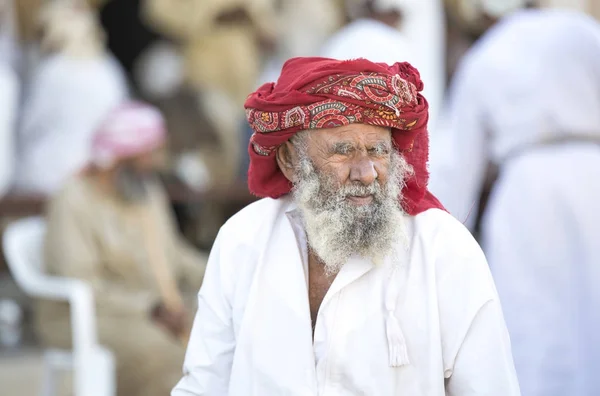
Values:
[(111, 227)]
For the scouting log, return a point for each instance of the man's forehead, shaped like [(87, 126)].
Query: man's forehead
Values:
[(353, 133)]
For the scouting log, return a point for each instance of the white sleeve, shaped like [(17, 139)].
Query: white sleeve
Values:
[(484, 364), (209, 356), (476, 347), (459, 151)]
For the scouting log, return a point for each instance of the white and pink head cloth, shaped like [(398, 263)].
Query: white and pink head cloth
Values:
[(132, 129)]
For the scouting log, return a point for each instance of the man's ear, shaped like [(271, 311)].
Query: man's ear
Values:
[(287, 158)]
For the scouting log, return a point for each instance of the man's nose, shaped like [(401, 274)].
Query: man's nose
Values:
[(363, 170)]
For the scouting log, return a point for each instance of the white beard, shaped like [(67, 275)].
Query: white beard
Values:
[(337, 229)]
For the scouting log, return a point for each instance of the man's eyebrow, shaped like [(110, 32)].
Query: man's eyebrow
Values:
[(338, 147)]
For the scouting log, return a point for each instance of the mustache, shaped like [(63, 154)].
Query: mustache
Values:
[(336, 194), (360, 190)]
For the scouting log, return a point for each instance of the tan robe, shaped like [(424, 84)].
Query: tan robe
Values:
[(97, 238)]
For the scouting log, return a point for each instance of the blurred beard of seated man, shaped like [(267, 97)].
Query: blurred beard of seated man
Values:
[(111, 226)]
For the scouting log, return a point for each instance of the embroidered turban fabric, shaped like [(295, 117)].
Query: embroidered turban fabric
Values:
[(317, 93)]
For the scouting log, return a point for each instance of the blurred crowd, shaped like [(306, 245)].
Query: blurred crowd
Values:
[(98, 97)]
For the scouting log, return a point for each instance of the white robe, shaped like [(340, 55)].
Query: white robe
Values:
[(252, 334), (68, 99), (526, 99)]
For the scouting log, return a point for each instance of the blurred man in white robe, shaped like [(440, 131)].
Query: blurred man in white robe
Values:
[(394, 30), (525, 105), (71, 90), (349, 278)]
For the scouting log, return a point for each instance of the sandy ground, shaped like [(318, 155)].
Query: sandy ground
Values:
[(21, 374), (21, 370)]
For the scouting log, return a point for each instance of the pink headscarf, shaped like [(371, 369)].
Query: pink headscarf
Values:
[(131, 129)]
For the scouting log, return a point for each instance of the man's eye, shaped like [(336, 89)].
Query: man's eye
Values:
[(380, 150)]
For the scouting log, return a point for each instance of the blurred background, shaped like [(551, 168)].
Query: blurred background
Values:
[(64, 66)]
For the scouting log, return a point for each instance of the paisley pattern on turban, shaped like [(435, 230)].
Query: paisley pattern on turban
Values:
[(318, 93)]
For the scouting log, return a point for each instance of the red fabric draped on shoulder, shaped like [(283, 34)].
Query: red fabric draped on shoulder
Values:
[(317, 93)]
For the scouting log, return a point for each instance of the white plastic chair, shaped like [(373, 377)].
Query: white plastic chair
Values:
[(93, 366)]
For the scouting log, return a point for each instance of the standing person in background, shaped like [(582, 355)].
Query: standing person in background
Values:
[(112, 228), (525, 102), (75, 85), (391, 30)]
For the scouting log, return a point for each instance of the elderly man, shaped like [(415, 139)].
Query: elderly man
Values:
[(350, 278), (111, 227), (71, 90), (513, 111)]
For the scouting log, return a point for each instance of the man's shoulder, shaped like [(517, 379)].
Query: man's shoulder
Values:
[(462, 275), (438, 219), (447, 236)]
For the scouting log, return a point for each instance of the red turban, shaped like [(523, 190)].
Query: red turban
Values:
[(315, 93)]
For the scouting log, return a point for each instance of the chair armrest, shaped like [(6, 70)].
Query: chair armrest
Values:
[(53, 287), (23, 243), (80, 297)]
